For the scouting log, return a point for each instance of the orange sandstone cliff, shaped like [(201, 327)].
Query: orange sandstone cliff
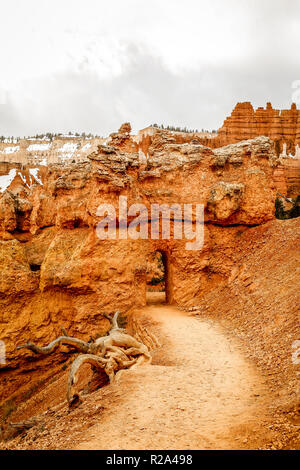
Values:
[(246, 123), (283, 127), (56, 271)]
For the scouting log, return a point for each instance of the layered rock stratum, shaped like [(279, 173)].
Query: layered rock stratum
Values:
[(55, 269), (281, 126)]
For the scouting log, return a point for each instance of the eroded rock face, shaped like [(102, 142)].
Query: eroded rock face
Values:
[(56, 271), (7, 213), (246, 123), (225, 199), (16, 276), (282, 126), (287, 177)]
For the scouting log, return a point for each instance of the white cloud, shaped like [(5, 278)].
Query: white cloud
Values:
[(86, 65)]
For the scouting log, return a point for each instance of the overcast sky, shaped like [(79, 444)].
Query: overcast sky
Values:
[(89, 65)]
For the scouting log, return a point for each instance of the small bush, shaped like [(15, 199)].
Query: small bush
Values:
[(7, 408), (156, 280), (282, 214), (279, 209)]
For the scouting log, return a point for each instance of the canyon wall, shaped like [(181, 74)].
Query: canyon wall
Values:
[(283, 127), (56, 271), (45, 151)]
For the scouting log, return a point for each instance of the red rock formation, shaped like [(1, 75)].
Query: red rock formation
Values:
[(283, 127), (56, 271), (246, 123), (122, 139), (291, 171)]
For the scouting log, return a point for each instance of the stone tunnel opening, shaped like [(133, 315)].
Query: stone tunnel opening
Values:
[(157, 278)]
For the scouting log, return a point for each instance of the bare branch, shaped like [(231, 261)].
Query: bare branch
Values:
[(113, 320), (95, 361), (78, 344), (111, 353)]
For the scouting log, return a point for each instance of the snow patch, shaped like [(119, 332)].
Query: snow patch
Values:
[(86, 147), (67, 150), (9, 150), (38, 147), (68, 147), (23, 178), (8, 140), (34, 173), (44, 162), (6, 180)]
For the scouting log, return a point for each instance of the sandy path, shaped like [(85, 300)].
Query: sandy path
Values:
[(206, 397)]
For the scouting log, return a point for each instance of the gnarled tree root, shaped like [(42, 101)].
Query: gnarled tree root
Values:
[(116, 351), (95, 361), (78, 344)]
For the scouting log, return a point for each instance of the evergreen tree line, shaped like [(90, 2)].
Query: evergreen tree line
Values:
[(180, 129), (48, 135), (9, 139)]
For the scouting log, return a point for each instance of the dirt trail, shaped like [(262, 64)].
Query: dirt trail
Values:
[(205, 396)]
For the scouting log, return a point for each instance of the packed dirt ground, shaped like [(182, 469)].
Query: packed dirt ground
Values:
[(222, 375)]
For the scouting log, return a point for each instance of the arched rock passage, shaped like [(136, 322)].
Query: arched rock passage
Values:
[(158, 277)]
